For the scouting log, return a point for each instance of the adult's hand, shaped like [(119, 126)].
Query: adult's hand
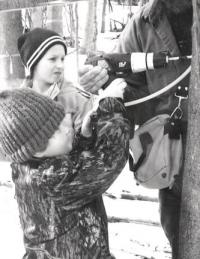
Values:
[(92, 78)]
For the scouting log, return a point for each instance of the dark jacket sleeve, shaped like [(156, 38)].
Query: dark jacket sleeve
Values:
[(76, 179)]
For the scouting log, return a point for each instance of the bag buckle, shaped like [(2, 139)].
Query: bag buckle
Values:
[(181, 94), (177, 113)]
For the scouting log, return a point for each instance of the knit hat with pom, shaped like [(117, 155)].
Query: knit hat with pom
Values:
[(27, 121), (34, 44)]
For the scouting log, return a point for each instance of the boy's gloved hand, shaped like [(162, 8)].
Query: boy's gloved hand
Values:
[(92, 78), (115, 90)]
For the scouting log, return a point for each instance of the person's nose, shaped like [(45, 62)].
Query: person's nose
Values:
[(60, 64)]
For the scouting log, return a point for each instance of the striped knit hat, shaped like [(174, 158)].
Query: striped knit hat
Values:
[(27, 121), (34, 44)]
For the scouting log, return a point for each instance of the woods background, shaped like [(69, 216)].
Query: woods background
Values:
[(81, 31)]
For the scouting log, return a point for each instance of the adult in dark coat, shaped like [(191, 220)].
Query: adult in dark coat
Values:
[(160, 25)]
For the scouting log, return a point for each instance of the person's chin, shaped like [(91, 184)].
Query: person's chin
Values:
[(52, 81), (57, 76)]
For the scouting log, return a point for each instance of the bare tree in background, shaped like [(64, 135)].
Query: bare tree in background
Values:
[(10, 62), (103, 16), (11, 68), (36, 17), (90, 37), (72, 25), (55, 18)]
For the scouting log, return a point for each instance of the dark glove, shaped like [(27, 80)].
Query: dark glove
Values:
[(118, 63)]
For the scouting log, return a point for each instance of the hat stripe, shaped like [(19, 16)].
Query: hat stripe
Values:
[(45, 44)]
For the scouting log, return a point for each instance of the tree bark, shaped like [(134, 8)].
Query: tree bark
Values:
[(55, 18), (49, 17), (189, 241), (103, 16), (90, 37), (72, 25), (10, 62), (11, 68), (36, 17)]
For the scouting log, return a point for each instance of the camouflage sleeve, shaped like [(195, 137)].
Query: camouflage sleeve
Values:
[(83, 143), (75, 180)]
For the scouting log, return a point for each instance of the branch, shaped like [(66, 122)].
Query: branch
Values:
[(14, 5)]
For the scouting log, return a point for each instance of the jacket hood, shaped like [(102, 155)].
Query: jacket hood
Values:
[(153, 11)]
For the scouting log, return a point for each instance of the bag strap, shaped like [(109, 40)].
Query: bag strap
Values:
[(145, 140), (163, 90)]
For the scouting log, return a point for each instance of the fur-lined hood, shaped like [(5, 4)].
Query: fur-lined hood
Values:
[(153, 11)]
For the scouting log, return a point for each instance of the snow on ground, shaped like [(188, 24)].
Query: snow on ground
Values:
[(10, 232), (136, 241), (134, 226)]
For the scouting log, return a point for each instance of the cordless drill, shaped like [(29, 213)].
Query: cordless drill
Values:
[(122, 64)]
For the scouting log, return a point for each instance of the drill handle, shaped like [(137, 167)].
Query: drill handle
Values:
[(120, 64)]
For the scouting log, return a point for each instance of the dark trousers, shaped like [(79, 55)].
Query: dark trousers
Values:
[(170, 213), (170, 205)]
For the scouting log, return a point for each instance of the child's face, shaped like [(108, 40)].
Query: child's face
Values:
[(61, 142), (51, 66)]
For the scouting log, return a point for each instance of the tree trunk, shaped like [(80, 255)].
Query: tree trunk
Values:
[(72, 26), (90, 37), (189, 245), (103, 16), (36, 16), (55, 18), (10, 63), (49, 17)]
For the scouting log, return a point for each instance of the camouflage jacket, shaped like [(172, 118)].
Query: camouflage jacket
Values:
[(56, 196)]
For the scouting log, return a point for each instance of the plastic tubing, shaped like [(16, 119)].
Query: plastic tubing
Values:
[(163, 90)]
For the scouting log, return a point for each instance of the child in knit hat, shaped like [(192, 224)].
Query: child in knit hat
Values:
[(58, 196), (42, 52)]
